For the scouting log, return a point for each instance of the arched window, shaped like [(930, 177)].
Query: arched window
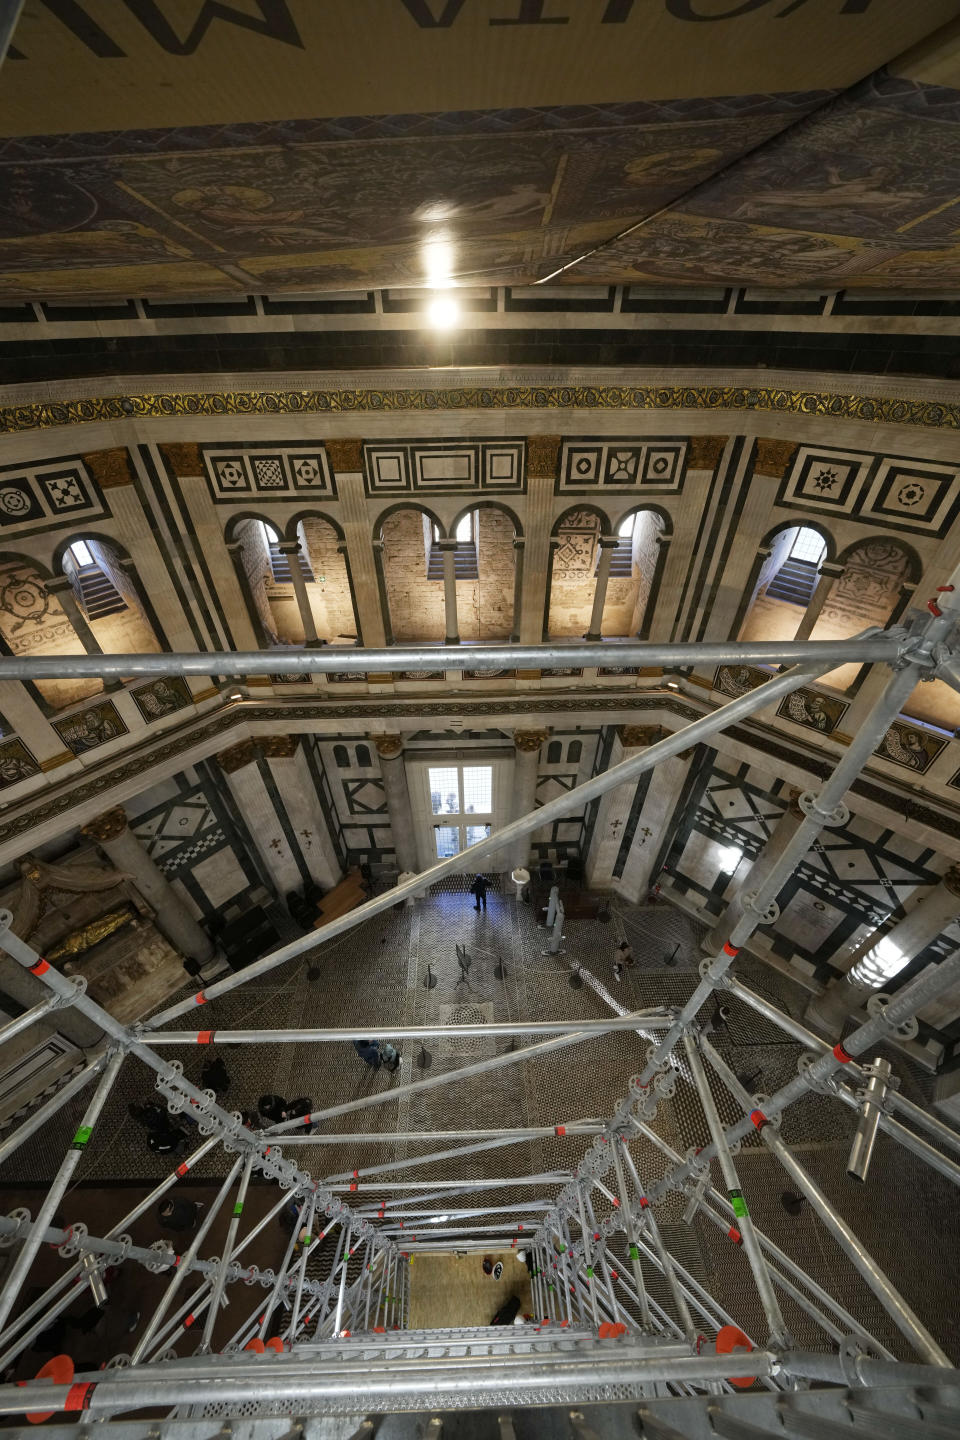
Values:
[(464, 531), (574, 751), (341, 757), (363, 756), (91, 583), (796, 577), (554, 752)]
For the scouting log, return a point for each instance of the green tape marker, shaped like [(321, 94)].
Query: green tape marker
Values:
[(739, 1206), (81, 1137), (562, 1249), (634, 1252), (238, 1208), (590, 1271)]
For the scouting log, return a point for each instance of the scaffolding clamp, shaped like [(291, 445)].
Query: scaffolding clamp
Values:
[(903, 1029), (830, 819), (696, 1196)]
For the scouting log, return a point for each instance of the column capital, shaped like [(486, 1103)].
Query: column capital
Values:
[(832, 568), (107, 826), (518, 542), (793, 805), (530, 741), (632, 737), (278, 747), (58, 585), (345, 456), (543, 456), (234, 758), (951, 880), (289, 547), (388, 747), (447, 544), (608, 542)]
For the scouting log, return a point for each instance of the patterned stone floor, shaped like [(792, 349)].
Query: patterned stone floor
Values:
[(402, 966)]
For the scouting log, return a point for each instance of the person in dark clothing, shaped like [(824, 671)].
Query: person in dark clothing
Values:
[(150, 1116), (479, 890), (297, 1108), (271, 1107), (179, 1215), (214, 1076), (375, 1054), (167, 1142)]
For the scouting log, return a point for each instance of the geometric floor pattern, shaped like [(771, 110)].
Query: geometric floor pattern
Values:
[(402, 966)]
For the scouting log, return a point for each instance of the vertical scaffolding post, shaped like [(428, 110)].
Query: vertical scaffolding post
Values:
[(213, 1304), (185, 1262), (71, 1160), (302, 1267), (343, 1282), (771, 1306), (889, 1297), (663, 1254)]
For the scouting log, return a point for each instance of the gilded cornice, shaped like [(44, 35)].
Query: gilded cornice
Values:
[(762, 399)]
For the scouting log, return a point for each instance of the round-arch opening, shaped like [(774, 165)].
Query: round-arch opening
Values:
[(578, 582), (479, 544), (785, 583)]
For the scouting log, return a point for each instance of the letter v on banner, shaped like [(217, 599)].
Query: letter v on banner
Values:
[(422, 14)]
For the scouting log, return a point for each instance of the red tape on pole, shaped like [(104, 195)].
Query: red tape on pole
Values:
[(841, 1055), (40, 968)]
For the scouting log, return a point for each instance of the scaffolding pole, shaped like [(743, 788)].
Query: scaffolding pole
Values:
[(776, 1325), (55, 1193), (872, 646)]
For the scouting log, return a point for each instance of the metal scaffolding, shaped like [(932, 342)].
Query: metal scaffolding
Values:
[(342, 1345)]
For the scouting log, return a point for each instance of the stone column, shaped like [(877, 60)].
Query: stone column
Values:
[(543, 467), (448, 552), (613, 810), (658, 817), (390, 753), (829, 572), (265, 639), (292, 550), (526, 766), (879, 958), (293, 793), (112, 833), (607, 546), (62, 588), (780, 837), (518, 548), (385, 620)]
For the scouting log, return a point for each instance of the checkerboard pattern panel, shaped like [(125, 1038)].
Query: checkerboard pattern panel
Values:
[(283, 472)]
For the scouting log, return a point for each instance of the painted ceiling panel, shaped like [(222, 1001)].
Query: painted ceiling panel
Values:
[(187, 148)]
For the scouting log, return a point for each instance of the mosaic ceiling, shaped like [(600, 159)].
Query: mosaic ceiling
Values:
[(186, 148)]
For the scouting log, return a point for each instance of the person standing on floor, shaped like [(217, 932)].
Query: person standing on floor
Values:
[(214, 1076), (179, 1215), (479, 891), (272, 1108), (622, 957), (374, 1054)]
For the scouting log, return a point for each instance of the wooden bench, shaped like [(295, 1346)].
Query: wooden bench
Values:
[(341, 899)]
